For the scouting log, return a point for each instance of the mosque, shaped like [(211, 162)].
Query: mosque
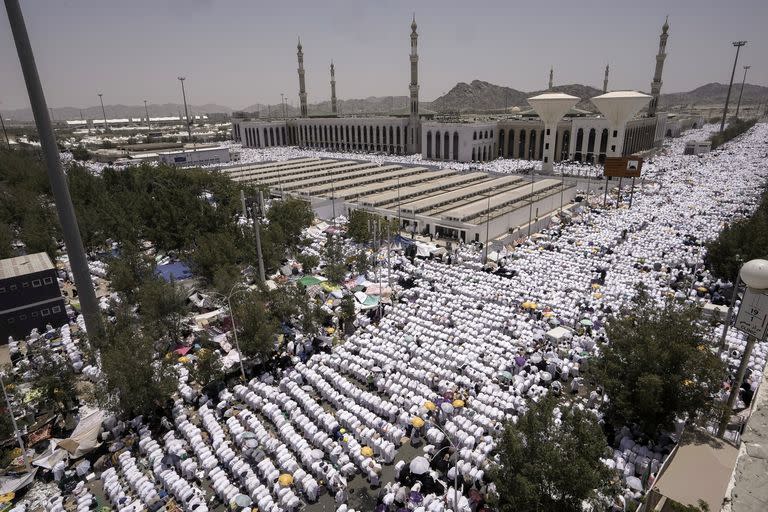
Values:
[(580, 135)]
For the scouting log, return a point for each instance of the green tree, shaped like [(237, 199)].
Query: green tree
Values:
[(138, 379), (129, 270), (657, 365), (6, 239), (54, 379), (308, 262), (739, 242), (291, 216), (38, 231), (80, 153), (335, 267), (347, 311), (362, 262), (549, 467), (358, 226), (162, 307), (257, 328), (208, 366)]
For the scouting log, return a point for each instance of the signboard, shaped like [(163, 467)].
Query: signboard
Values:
[(753, 314), (623, 166)]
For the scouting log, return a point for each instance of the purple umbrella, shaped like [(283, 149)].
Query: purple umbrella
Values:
[(415, 497), (520, 361)]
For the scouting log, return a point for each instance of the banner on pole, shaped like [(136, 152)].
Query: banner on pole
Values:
[(623, 166)]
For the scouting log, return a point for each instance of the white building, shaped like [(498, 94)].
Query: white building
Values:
[(195, 156)]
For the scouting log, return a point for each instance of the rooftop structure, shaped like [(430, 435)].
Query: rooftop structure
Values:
[(442, 202), (22, 265)]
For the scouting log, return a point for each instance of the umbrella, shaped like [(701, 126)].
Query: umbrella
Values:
[(446, 407), (285, 479), (597, 295), (430, 406), (419, 465), (458, 403), (415, 497), (376, 369), (248, 435), (317, 454), (251, 444), (595, 286), (507, 375), (634, 483), (520, 361), (586, 321), (366, 451), (241, 501), (417, 422)]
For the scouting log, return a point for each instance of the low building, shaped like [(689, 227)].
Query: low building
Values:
[(190, 157), (697, 147), (29, 296)]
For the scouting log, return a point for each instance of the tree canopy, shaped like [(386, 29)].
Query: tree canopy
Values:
[(657, 365), (546, 465), (739, 242)]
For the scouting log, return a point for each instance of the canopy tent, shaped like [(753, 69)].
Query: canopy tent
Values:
[(311, 280), (559, 334), (85, 437), (177, 271)]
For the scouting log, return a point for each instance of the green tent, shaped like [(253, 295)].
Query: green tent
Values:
[(310, 280)]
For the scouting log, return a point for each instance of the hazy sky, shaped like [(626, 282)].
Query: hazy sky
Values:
[(238, 52)]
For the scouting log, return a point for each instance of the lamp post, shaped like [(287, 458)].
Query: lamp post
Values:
[(233, 291), (186, 111), (738, 45), (741, 91), (146, 111), (104, 112), (754, 274), (19, 439), (487, 225)]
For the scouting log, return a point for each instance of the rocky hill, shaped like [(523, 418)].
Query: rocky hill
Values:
[(714, 94)]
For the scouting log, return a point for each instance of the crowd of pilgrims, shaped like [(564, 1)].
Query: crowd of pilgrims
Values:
[(461, 352)]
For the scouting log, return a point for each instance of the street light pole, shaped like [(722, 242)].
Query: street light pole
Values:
[(741, 91), (146, 111), (738, 45), (19, 439), (754, 274), (186, 111), (2, 123), (487, 227), (62, 199), (104, 112)]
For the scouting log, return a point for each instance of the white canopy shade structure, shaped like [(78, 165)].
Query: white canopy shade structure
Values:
[(551, 107), (618, 107)]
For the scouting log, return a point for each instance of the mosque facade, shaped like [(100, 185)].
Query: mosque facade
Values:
[(580, 136)]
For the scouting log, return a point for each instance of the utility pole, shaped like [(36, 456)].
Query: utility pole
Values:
[(19, 439), (738, 103), (104, 112), (66, 212), (257, 232), (738, 45), (146, 111), (186, 111), (2, 123)]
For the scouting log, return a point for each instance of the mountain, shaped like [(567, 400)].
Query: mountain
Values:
[(714, 94), (116, 111), (477, 96), (370, 105), (482, 96)]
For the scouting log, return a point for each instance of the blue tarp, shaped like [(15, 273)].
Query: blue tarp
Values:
[(178, 270), (405, 242)]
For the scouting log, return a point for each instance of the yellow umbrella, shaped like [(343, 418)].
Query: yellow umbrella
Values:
[(702, 289), (183, 359), (595, 286), (7, 497), (597, 295), (458, 403), (285, 479), (366, 451), (417, 422), (430, 406), (548, 314)]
